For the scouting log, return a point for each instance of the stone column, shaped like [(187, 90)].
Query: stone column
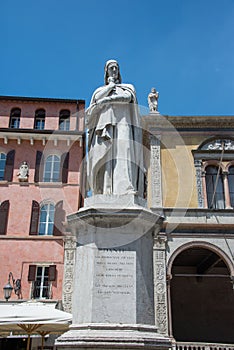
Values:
[(160, 284), (155, 173), (203, 174), (226, 190), (169, 277), (69, 266)]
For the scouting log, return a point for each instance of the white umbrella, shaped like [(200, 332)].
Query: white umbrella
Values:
[(33, 317)]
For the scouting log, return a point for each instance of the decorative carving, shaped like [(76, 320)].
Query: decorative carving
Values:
[(198, 168), (69, 264), (219, 144), (156, 182), (160, 286), (23, 173), (162, 317)]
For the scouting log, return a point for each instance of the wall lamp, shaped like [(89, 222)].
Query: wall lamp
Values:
[(7, 289)]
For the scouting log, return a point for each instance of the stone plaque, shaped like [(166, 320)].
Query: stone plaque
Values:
[(114, 296)]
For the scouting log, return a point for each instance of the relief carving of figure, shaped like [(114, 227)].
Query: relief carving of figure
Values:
[(115, 161), (23, 173)]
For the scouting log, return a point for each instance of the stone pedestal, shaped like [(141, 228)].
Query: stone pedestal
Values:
[(113, 299)]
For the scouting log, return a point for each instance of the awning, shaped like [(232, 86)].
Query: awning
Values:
[(33, 318)]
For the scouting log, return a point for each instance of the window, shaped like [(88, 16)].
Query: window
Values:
[(7, 165), (231, 184), (64, 120), (41, 278), (214, 188), (52, 169), (4, 212), (39, 119), (2, 165), (15, 118), (41, 284), (46, 221), (214, 165)]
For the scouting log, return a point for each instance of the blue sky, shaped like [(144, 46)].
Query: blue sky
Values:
[(184, 48)]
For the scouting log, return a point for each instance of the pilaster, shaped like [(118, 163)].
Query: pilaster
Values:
[(160, 284), (200, 195), (155, 175), (69, 266)]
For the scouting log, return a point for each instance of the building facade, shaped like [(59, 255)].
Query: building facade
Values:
[(191, 183), (41, 153)]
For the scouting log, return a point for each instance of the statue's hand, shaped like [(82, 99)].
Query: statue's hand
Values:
[(111, 85), (104, 100)]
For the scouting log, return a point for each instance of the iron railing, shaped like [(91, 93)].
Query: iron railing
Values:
[(203, 346)]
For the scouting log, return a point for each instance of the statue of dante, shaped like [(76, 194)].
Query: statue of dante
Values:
[(115, 161)]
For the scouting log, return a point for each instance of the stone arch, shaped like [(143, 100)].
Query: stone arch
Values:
[(201, 244), (200, 294)]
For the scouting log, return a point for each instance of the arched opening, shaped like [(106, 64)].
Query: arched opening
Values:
[(202, 297)]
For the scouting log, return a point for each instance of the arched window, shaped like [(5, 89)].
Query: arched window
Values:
[(52, 169), (46, 220), (7, 165), (64, 120), (215, 192), (4, 212), (2, 165), (15, 118), (214, 188), (231, 185), (39, 119)]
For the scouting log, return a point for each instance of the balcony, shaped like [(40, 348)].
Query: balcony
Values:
[(202, 346)]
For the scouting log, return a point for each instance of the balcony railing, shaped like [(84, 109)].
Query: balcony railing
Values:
[(203, 346)]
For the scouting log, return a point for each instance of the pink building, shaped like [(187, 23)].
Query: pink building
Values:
[(41, 152)]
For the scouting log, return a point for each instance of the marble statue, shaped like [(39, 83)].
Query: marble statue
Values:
[(115, 161), (153, 100), (23, 173)]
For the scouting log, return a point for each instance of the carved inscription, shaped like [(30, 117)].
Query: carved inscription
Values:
[(114, 273), (115, 284)]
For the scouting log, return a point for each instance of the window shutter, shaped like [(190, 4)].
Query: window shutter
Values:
[(59, 217), (32, 273), (39, 161), (9, 165), (34, 218), (64, 167), (52, 273), (4, 212)]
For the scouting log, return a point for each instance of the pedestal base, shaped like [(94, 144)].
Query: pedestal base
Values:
[(112, 336), (113, 299)]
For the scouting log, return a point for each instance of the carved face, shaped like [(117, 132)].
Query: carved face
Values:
[(113, 71)]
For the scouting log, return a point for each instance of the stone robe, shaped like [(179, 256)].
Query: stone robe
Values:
[(115, 161)]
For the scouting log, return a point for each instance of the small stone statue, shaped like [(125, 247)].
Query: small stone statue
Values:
[(153, 100), (23, 173)]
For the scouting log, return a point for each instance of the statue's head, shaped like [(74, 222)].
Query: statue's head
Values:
[(112, 70)]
